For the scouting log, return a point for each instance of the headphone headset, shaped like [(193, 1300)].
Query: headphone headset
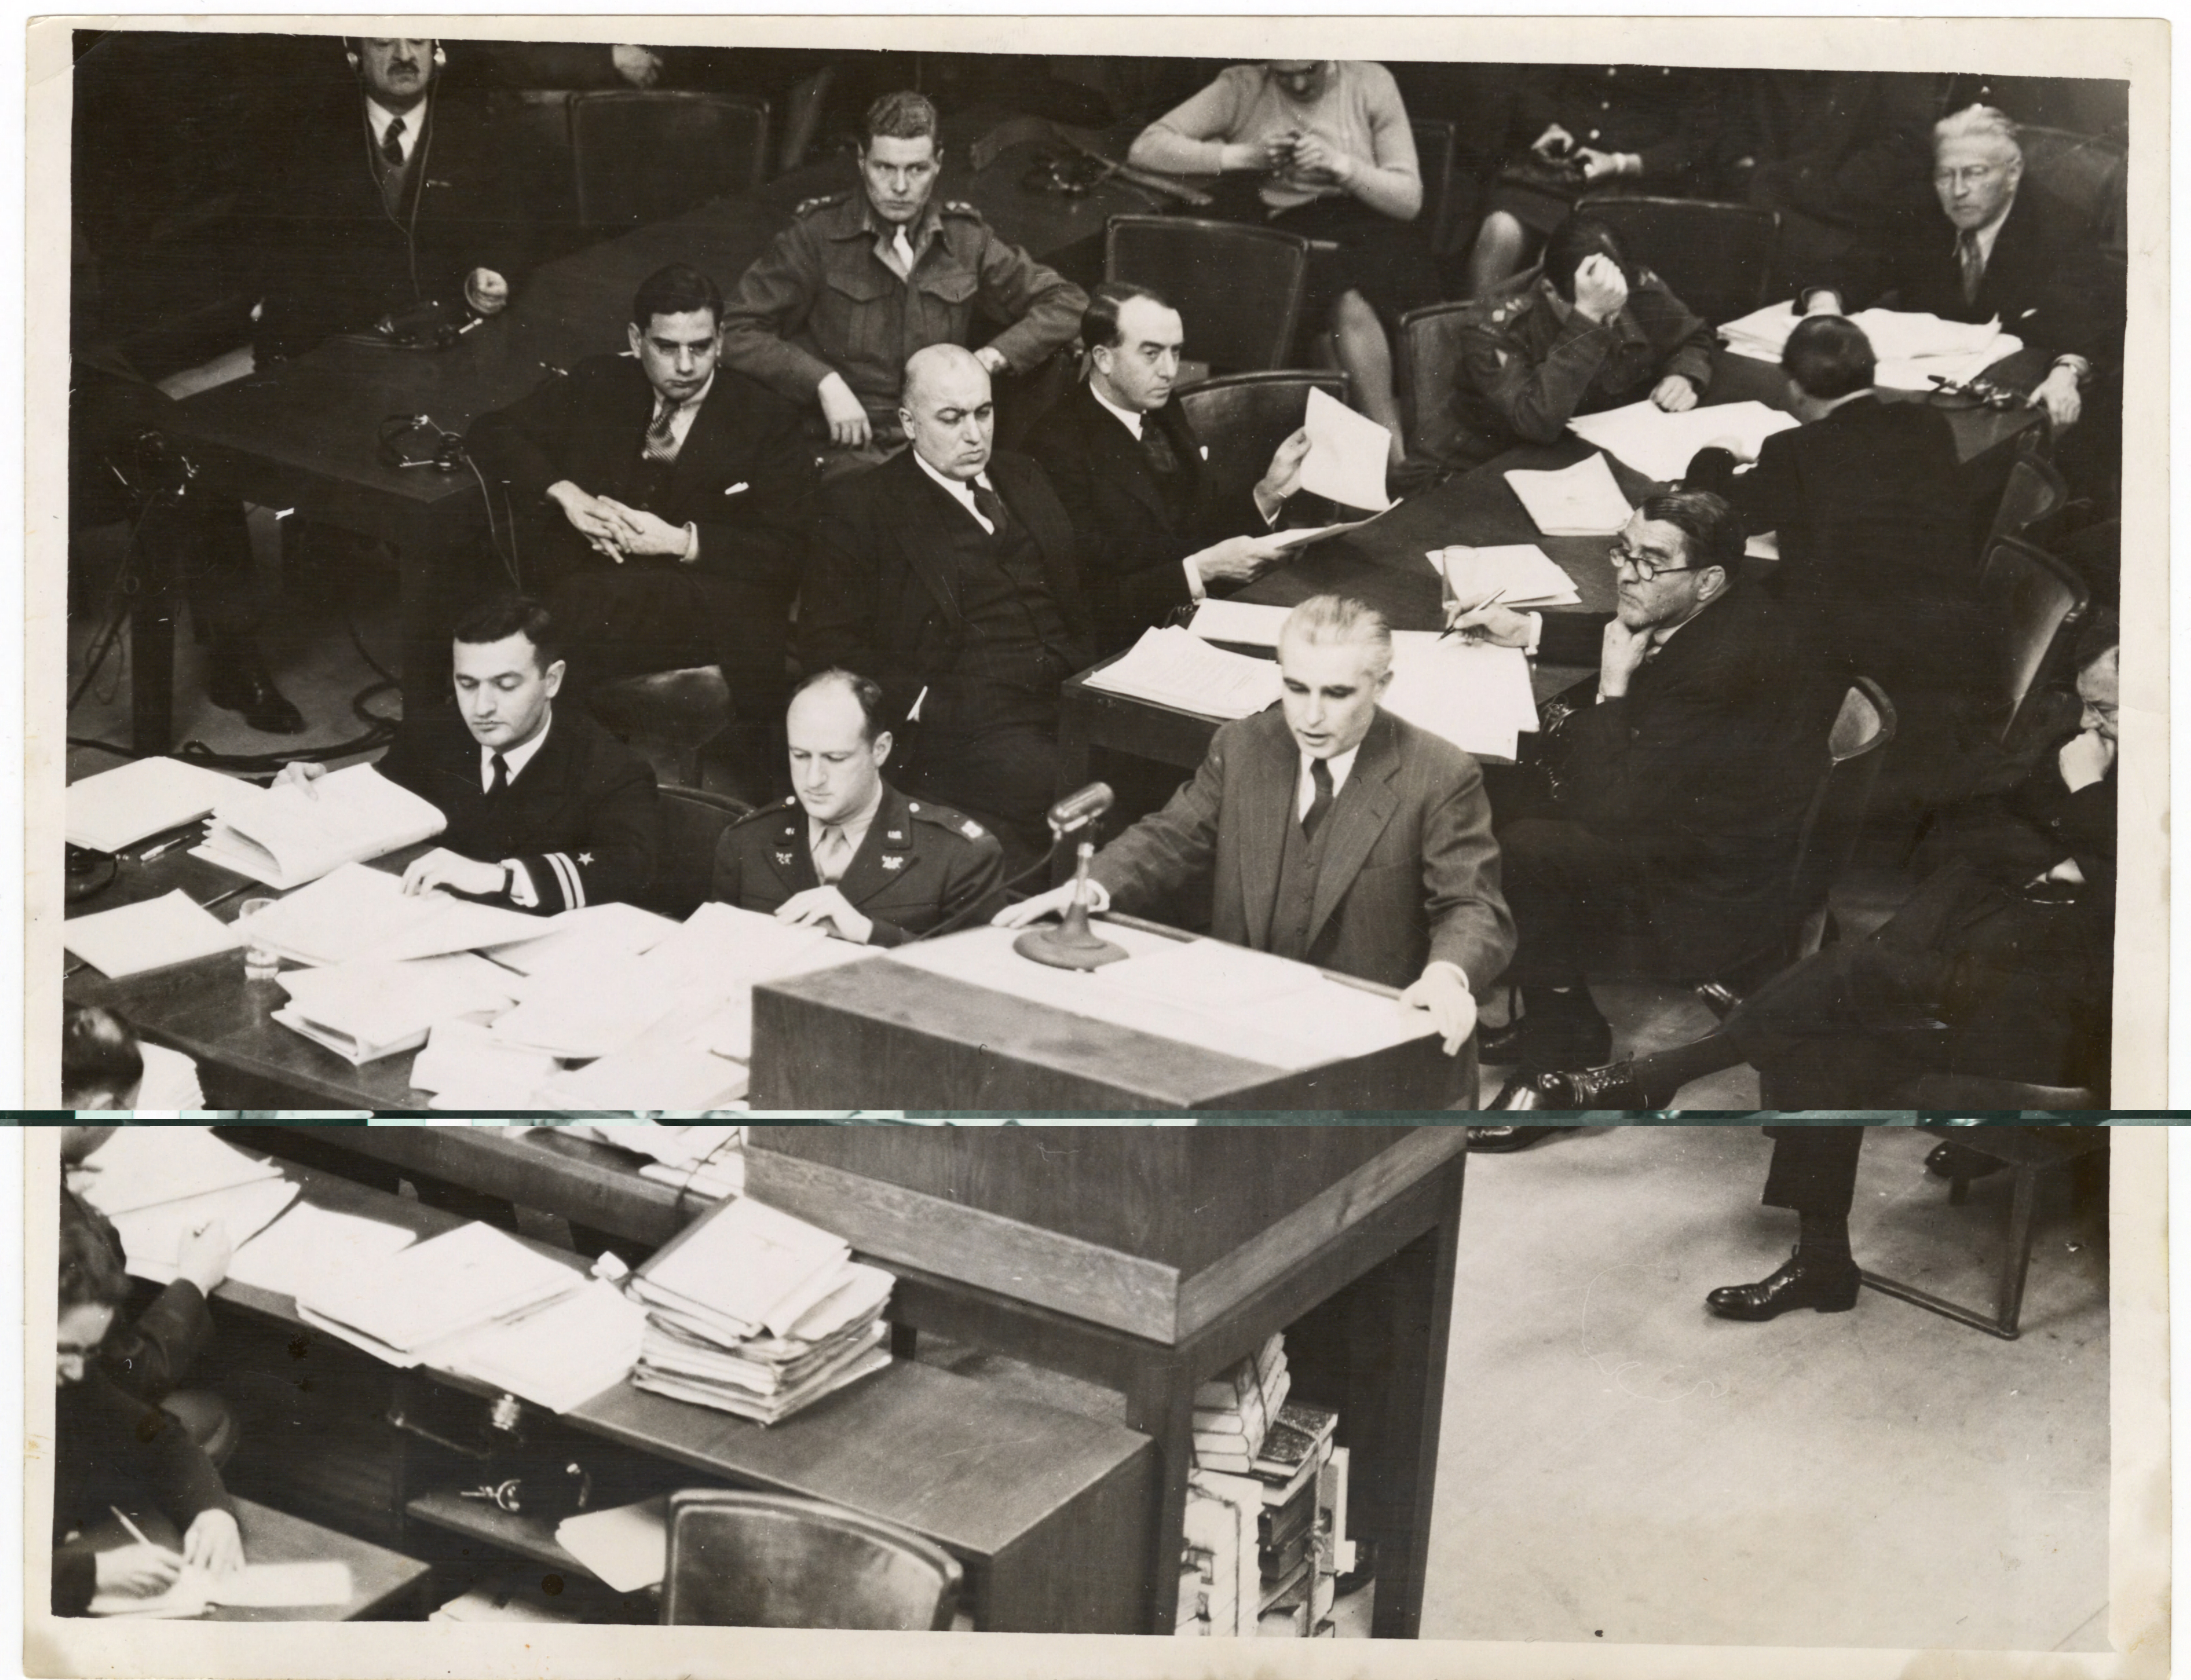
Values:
[(401, 433), (440, 57), (408, 226)]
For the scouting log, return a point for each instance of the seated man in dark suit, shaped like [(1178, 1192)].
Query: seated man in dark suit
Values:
[(951, 576), (547, 812), (1595, 330), (1678, 793), (672, 492), (1329, 831), (1130, 471), (2001, 965), (847, 849), (387, 204), (1874, 529)]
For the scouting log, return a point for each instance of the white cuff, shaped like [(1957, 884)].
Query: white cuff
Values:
[(1536, 633), (522, 892), (1195, 586), (1098, 897), (1453, 968)]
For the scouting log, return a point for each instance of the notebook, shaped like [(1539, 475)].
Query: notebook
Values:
[(119, 807), (153, 933), (1582, 500), (288, 835)]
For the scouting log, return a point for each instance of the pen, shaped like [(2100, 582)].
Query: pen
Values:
[(1478, 607), (135, 1533)]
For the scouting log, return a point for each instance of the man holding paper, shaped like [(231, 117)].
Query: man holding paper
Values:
[(547, 812), (1593, 331), (1330, 832), (1134, 476)]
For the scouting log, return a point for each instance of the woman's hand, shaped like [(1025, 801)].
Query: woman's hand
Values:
[(1315, 155)]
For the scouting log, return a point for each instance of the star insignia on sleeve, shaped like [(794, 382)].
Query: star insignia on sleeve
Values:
[(586, 858)]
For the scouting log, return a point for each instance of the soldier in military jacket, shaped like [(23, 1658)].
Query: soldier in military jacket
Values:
[(847, 851), (1591, 330), (830, 312)]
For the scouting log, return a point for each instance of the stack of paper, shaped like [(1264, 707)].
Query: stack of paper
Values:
[(119, 807), (286, 835), (152, 1238), (151, 933), (309, 1247), (365, 1010), (709, 1160), (573, 943), (1233, 1413), (1912, 347), (628, 1547), (1514, 574), (1347, 455), (1659, 445), (1582, 500), (1245, 623), (1174, 667), (436, 1290), (682, 1079), (1473, 694), (559, 1355), (358, 915), (466, 1067), (757, 1313), (143, 1167)]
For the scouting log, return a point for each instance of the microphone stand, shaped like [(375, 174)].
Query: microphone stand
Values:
[(1072, 943)]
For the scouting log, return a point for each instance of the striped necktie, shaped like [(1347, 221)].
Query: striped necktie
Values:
[(392, 143), (661, 436), (1972, 262)]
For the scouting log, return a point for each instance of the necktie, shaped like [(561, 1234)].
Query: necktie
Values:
[(1162, 456), (903, 247), (1319, 806), (991, 506), (833, 856), (392, 143), (661, 438), (500, 784), (1972, 261)]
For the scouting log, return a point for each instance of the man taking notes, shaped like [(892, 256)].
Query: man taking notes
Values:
[(1330, 832), (547, 812), (847, 849)]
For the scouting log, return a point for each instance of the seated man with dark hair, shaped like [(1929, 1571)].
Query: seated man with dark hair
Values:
[(1595, 330), (1133, 475), (673, 491), (547, 812), (1676, 795), (847, 849)]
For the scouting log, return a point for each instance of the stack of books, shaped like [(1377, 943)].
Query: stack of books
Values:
[(1233, 1413), (755, 1312), (1293, 1546)]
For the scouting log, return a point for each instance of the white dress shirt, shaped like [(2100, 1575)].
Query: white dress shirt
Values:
[(379, 116), (681, 416), (1342, 766), (962, 491)]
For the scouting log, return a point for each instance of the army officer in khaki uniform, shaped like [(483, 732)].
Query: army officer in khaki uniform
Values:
[(848, 850), (832, 310)]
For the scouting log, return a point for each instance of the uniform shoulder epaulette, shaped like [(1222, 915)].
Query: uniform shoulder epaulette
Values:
[(775, 807), (959, 207), (807, 207), (943, 817)]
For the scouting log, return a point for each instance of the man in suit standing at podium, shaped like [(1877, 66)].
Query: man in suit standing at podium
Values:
[(1330, 831)]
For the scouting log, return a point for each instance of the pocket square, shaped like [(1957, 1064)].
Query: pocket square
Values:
[(735, 488)]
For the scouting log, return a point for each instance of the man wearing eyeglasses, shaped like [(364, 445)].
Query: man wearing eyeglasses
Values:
[(1672, 792)]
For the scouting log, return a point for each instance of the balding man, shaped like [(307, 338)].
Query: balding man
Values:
[(1329, 831), (949, 575)]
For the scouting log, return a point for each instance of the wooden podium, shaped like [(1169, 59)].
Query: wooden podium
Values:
[(1148, 1260)]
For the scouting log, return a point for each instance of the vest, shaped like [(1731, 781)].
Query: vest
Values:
[(1299, 862)]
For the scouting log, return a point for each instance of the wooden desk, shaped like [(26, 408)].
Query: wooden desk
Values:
[(1045, 1507)]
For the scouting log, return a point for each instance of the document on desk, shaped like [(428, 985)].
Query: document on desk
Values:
[(1473, 694), (428, 1292), (744, 1263), (1174, 667), (573, 942), (686, 1079), (152, 933), (357, 915), (1347, 455), (143, 1167), (307, 1246), (365, 1010), (1514, 574), (1582, 500), (628, 1547), (1911, 346), (152, 1238), (1659, 445), (264, 1587), (464, 1065), (288, 835), (1245, 623), (118, 808), (559, 1355)]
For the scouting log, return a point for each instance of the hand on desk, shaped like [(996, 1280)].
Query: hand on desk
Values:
[(1500, 626), (2058, 394), (444, 868), (205, 1256), (301, 773), (1055, 902), (142, 1570), (214, 1544), (1452, 1006), (826, 905), (1675, 394)]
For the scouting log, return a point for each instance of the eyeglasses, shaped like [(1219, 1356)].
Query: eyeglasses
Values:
[(1645, 567), (1971, 174)]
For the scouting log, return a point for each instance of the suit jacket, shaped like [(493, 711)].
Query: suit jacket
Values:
[(878, 597), (580, 820), (1131, 544), (146, 1357), (743, 475), (1410, 871), (332, 258), (918, 865), (1706, 766)]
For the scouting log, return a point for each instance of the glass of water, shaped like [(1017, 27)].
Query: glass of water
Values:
[(258, 962)]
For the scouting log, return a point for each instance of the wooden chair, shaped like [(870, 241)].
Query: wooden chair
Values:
[(693, 821), (1238, 286), (1718, 259), (739, 1559), (666, 714), (645, 155), (1244, 418), (2028, 1152), (2035, 490), (2038, 605)]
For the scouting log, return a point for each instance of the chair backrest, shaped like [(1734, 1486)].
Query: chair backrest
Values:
[(1718, 259), (643, 156), (2035, 490), (1861, 732), (1426, 373), (1434, 157), (2089, 172), (1238, 288), (2036, 604), (739, 1559), (693, 821), (1243, 418)]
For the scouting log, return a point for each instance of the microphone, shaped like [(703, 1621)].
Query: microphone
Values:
[(1077, 811)]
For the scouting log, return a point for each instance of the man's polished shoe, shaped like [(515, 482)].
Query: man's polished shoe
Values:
[(1508, 1140), (1952, 1161), (237, 681), (1612, 1086), (1822, 1286)]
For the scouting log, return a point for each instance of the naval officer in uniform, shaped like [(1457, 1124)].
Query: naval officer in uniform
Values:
[(848, 850)]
